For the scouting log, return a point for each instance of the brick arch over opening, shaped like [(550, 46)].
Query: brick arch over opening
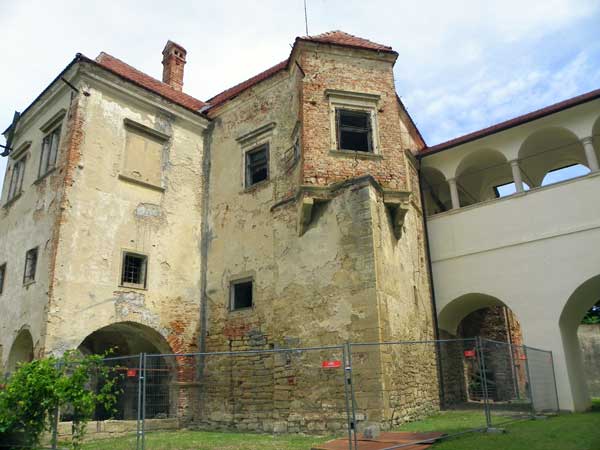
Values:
[(21, 350), (581, 300)]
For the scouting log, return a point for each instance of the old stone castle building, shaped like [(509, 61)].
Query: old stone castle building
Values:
[(284, 212)]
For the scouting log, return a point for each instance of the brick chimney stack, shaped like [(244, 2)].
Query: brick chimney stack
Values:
[(173, 62)]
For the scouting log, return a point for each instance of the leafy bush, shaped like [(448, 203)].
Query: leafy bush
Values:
[(36, 391)]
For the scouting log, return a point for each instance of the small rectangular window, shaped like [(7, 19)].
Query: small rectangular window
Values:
[(134, 270), (49, 152), (257, 165), (241, 294), (30, 266), (16, 179), (2, 277), (354, 130)]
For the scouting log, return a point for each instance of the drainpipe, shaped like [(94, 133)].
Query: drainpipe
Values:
[(205, 239), (436, 329)]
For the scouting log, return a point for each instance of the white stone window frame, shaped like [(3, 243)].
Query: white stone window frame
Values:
[(353, 101), (251, 142)]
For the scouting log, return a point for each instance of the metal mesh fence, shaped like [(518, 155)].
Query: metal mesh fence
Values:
[(339, 391), (266, 391)]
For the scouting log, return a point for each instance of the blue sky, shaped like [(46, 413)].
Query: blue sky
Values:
[(463, 65)]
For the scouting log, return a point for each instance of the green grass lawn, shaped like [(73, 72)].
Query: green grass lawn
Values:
[(564, 432)]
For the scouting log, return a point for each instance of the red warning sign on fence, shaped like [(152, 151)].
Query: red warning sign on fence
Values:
[(469, 353), (131, 372), (336, 364)]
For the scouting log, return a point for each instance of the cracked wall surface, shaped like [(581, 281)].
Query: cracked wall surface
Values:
[(333, 242)]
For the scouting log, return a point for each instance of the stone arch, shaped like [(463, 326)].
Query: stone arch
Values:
[(479, 172), (451, 315), (596, 137), (476, 315), (581, 300), (436, 191), (549, 149), (21, 350), (127, 340)]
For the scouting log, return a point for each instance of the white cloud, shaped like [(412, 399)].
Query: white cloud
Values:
[(454, 69)]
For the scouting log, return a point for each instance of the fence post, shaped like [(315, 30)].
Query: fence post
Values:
[(347, 381), (144, 377), (352, 395), (554, 379), (483, 377), (55, 418), (138, 433), (529, 381)]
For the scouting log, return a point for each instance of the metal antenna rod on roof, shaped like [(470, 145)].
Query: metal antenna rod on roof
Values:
[(305, 18)]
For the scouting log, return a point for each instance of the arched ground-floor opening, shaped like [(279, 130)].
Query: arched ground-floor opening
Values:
[(20, 351), (581, 301), (588, 334), (124, 342), (501, 358)]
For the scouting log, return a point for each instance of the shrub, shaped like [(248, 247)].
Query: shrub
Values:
[(36, 391)]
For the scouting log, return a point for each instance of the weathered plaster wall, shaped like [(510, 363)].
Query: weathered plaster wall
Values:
[(27, 222), (106, 215), (338, 280)]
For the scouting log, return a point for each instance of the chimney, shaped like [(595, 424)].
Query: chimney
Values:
[(173, 62)]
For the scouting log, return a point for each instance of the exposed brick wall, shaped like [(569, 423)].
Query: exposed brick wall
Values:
[(353, 71)]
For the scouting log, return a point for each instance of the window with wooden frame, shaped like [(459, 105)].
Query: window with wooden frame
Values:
[(2, 277), (16, 178), (49, 152), (30, 265), (134, 270), (257, 165), (241, 294), (354, 130)]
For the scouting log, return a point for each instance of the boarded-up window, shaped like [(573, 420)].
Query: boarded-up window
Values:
[(143, 156)]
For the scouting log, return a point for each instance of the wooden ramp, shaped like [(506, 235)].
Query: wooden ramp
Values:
[(385, 440)]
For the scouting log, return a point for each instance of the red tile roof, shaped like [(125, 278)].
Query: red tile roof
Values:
[(332, 37), (234, 91), (338, 37), (126, 71), (140, 78), (516, 121)]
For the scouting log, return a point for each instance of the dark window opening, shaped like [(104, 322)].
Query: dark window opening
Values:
[(2, 277), (354, 130), (30, 265), (241, 295), (134, 270), (16, 179), (257, 165), (49, 152)]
